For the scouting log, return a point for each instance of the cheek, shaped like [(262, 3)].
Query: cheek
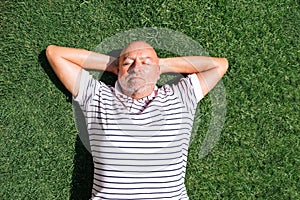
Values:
[(152, 76), (122, 73)]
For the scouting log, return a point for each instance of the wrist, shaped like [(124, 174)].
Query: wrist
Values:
[(163, 65)]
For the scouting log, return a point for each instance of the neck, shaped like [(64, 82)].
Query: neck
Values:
[(138, 94)]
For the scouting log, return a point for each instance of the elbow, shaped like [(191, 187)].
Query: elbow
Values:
[(52, 55), (50, 51), (53, 52), (226, 64), (223, 65)]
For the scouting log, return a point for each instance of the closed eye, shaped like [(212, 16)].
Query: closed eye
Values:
[(127, 62), (147, 61)]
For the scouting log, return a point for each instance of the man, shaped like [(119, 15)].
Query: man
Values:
[(139, 133)]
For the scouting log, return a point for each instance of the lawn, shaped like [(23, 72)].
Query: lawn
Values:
[(257, 153)]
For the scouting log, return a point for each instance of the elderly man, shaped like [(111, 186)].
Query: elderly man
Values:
[(139, 133)]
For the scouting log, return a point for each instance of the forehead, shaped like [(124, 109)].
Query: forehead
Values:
[(142, 52)]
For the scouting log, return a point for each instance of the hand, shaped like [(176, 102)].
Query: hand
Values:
[(114, 66)]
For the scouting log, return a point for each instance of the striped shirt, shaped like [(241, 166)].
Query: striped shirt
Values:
[(139, 147)]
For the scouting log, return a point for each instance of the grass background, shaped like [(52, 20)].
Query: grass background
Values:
[(257, 156)]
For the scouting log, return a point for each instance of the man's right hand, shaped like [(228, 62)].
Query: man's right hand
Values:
[(113, 66)]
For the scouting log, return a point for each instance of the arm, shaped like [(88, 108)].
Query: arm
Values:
[(208, 69), (68, 62)]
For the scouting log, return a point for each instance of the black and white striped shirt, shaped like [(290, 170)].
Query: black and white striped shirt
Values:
[(139, 147)]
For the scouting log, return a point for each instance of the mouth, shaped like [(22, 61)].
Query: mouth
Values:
[(136, 78)]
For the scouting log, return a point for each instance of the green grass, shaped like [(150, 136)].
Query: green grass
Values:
[(257, 156)]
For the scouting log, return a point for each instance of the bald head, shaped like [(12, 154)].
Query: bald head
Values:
[(137, 46)]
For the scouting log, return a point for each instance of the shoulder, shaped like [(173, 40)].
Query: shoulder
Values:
[(186, 86), (88, 86)]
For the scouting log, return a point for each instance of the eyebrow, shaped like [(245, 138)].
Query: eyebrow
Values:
[(142, 57), (127, 57)]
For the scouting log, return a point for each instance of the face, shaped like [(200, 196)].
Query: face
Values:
[(138, 70)]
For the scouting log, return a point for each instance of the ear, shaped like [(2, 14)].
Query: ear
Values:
[(158, 73)]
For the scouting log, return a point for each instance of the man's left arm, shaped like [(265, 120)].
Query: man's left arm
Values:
[(209, 70)]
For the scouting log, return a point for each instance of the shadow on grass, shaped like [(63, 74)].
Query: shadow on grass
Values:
[(82, 178), (51, 74)]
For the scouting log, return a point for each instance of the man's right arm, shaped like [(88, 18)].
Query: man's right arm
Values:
[(68, 62)]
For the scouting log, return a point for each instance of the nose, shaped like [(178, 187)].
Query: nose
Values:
[(136, 66)]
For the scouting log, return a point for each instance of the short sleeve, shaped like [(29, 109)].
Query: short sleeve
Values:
[(188, 90), (86, 86), (196, 86)]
